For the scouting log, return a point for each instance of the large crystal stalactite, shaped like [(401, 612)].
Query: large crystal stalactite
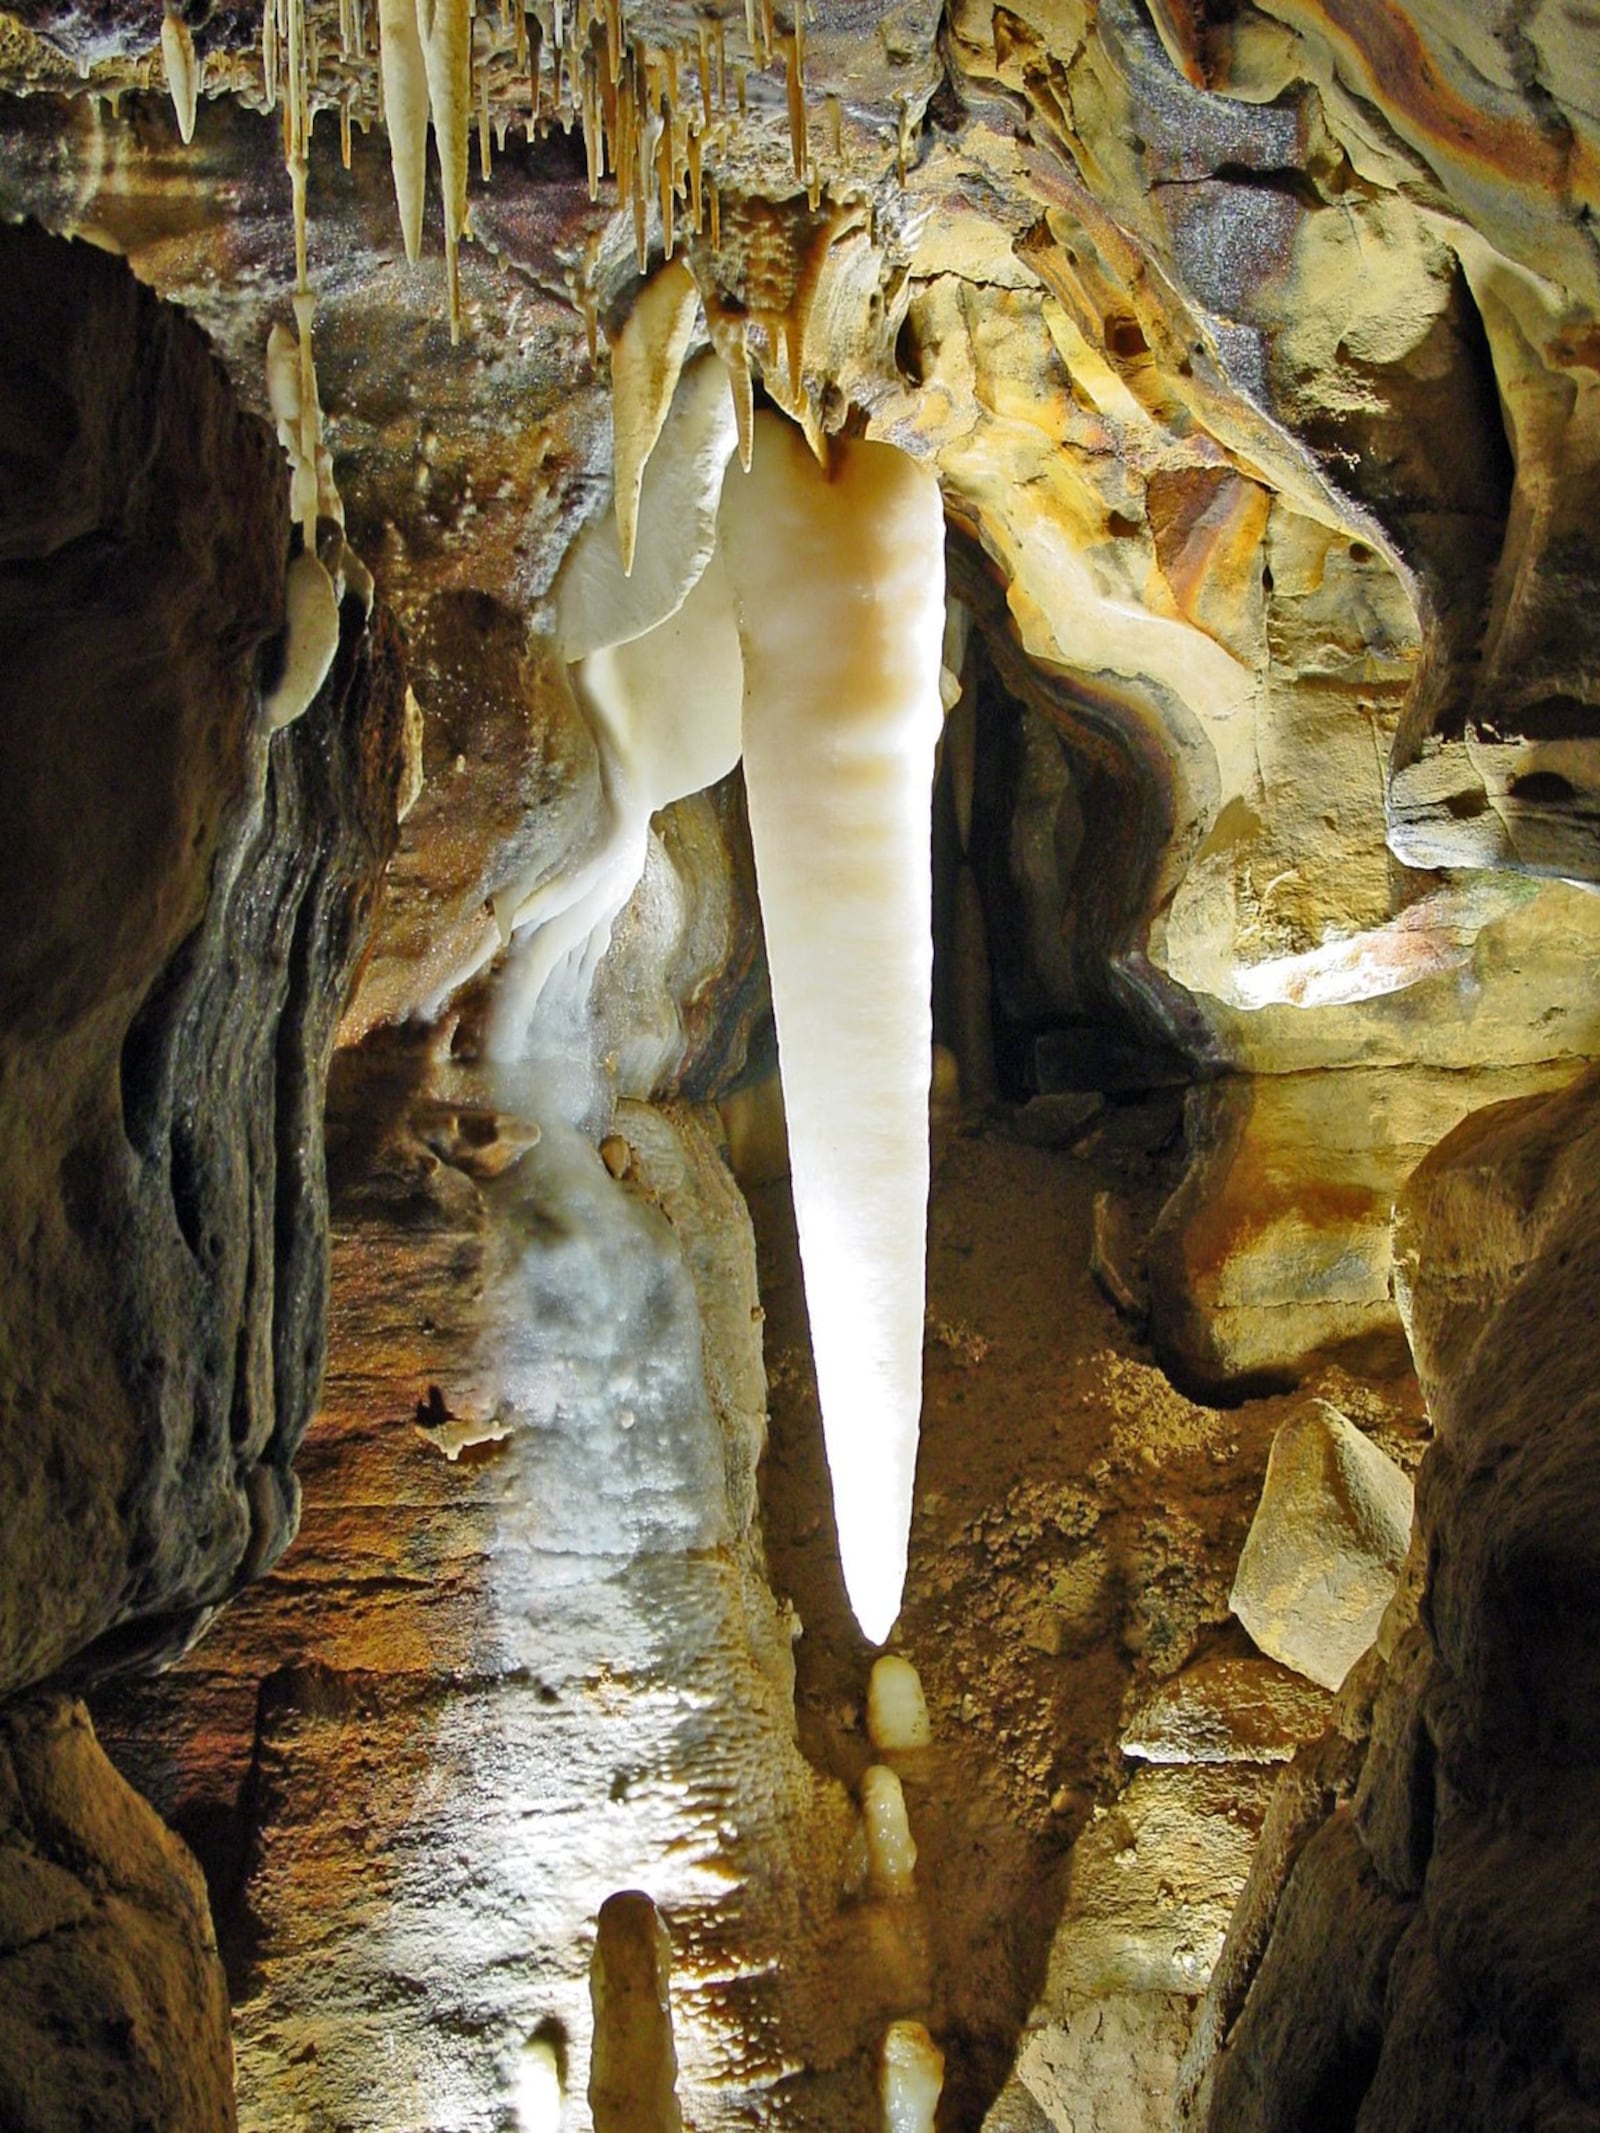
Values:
[(839, 585), (836, 584)]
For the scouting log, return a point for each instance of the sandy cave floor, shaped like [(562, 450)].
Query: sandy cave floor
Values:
[(1076, 1529)]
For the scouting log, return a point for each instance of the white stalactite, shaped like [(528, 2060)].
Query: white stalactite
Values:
[(839, 585), (445, 27), (811, 633), (665, 712), (183, 72), (646, 360), (405, 114), (598, 602)]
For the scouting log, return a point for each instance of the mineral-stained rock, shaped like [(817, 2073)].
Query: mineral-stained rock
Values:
[(113, 2008), (1277, 1248), (509, 779), (1154, 1878), (1427, 1959), (1226, 1711), (1473, 1218), (1106, 2064), (1058, 1120), (1116, 1258), (181, 910), (1325, 1547), (1254, 348), (1334, 1935)]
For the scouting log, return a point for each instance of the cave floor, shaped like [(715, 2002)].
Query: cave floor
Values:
[(401, 1887), (1076, 1527)]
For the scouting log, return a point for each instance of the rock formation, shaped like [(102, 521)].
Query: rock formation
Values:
[(114, 2013), (1252, 353)]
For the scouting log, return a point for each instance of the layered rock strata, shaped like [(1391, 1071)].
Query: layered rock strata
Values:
[(1254, 350)]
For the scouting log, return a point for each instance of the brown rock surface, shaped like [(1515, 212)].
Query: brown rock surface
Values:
[(1227, 1710), (1452, 1875), (1254, 347), (1324, 1551), (169, 1003), (1277, 1247), (113, 2007)]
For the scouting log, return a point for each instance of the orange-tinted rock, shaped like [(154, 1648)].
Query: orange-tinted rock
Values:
[(113, 2008), (1455, 1876)]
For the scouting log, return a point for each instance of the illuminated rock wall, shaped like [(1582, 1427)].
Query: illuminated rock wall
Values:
[(1254, 352)]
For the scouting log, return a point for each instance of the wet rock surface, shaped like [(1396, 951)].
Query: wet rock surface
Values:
[(1254, 349)]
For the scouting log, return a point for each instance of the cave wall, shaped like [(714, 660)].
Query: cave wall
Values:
[(185, 908), (1254, 350), (1413, 1953)]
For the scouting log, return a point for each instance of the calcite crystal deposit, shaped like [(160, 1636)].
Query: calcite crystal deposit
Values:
[(1023, 580)]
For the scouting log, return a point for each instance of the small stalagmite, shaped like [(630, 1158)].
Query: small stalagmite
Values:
[(540, 2101), (633, 2069), (912, 2079), (891, 1849), (897, 1713)]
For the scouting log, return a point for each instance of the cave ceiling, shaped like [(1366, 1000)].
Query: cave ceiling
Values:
[(1253, 351)]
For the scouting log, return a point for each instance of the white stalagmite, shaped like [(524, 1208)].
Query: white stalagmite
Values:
[(405, 114), (838, 581), (897, 1712), (891, 1849), (646, 361), (183, 72), (539, 2098), (913, 2077)]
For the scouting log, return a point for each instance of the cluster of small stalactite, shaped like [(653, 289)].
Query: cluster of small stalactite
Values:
[(657, 120)]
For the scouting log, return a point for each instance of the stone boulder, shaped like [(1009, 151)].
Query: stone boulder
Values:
[(113, 2007), (1325, 1547)]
